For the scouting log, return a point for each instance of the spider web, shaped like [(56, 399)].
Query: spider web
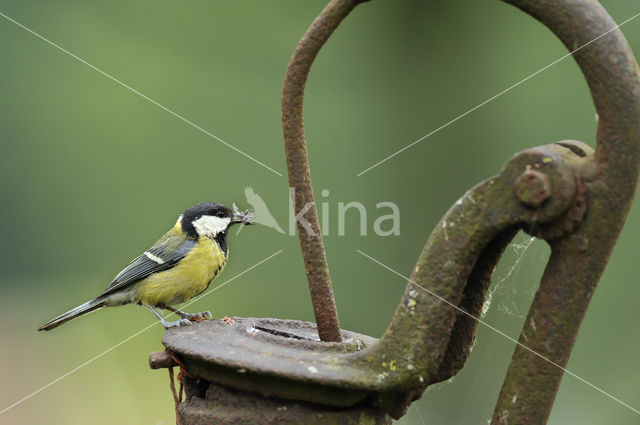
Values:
[(504, 285)]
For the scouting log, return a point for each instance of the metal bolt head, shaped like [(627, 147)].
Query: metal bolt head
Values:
[(533, 188)]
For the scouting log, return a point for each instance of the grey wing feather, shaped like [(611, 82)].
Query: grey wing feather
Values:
[(168, 250)]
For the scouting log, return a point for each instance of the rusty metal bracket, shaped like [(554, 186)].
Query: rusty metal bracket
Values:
[(575, 198)]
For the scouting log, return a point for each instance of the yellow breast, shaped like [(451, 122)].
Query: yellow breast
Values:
[(187, 279)]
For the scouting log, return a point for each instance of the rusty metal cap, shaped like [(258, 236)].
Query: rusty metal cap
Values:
[(273, 357)]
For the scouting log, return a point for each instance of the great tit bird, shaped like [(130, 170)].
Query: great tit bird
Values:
[(175, 269)]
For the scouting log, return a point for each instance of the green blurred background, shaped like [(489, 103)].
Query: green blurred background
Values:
[(92, 174)]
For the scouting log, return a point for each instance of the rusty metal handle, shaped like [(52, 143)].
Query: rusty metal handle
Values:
[(577, 262), (315, 259)]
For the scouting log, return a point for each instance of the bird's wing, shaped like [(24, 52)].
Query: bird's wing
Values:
[(166, 253)]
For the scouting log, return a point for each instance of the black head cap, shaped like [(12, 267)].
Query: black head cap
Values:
[(203, 208)]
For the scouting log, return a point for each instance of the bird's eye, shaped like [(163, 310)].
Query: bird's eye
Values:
[(221, 214)]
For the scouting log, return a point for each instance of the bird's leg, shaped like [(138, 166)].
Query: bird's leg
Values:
[(167, 325), (195, 317)]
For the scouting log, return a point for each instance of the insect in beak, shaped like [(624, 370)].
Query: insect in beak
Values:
[(245, 217)]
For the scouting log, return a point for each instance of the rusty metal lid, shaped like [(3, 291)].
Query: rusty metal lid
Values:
[(273, 357)]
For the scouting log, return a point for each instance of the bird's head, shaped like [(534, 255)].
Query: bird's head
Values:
[(210, 219)]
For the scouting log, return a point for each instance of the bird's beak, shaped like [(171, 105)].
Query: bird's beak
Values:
[(245, 217)]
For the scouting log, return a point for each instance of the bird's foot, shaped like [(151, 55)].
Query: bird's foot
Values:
[(198, 317), (176, 324)]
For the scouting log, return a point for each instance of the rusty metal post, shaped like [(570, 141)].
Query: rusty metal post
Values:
[(577, 261), (315, 259)]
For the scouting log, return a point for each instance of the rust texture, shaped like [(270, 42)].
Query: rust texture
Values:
[(161, 359), (578, 259), (475, 292), (212, 404), (315, 259), (532, 188)]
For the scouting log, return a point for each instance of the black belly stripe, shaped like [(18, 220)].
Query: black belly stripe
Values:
[(215, 274)]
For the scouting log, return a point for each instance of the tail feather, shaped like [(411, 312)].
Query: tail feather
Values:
[(85, 308)]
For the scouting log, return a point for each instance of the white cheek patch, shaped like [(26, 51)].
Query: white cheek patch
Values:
[(208, 225)]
